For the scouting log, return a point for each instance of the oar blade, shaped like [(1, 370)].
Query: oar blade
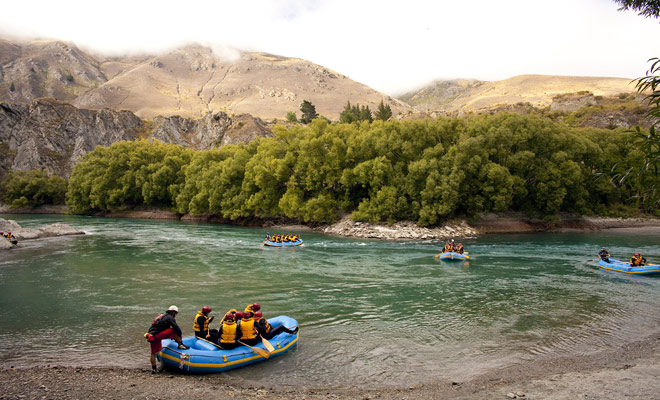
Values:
[(267, 345)]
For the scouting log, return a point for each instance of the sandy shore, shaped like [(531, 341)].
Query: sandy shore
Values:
[(628, 372)]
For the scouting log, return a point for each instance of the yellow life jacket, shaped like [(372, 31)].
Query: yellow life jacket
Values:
[(248, 331), (249, 308), (636, 261), (228, 332), (196, 327)]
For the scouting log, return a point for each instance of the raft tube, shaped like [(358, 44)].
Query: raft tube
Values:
[(451, 256), (283, 244), (203, 357), (620, 266)]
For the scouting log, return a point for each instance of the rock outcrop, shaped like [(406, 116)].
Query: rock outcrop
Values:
[(398, 231), (8, 225), (53, 135)]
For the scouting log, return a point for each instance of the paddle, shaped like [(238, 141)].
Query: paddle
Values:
[(267, 344), (257, 350), (208, 341)]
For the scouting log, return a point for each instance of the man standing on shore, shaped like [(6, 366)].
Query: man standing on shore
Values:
[(164, 326)]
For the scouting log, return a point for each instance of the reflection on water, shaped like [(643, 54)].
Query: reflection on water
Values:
[(388, 313)]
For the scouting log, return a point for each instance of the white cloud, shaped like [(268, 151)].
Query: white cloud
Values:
[(389, 45)]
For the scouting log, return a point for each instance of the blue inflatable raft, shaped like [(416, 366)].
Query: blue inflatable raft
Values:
[(203, 357), (620, 266), (283, 244), (451, 256)]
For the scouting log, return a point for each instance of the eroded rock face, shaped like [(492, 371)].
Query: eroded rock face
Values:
[(214, 130), (53, 135)]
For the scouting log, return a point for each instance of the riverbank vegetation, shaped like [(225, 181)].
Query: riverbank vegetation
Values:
[(423, 171), (32, 188)]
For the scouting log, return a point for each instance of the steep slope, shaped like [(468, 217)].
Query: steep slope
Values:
[(192, 81), (538, 90), (53, 135), (52, 69)]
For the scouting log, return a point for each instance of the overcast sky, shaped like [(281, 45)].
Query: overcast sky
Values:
[(392, 46)]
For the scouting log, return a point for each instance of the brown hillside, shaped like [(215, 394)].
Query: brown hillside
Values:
[(537, 90), (53, 69), (192, 81)]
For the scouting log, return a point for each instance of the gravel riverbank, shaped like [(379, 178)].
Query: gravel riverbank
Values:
[(628, 372)]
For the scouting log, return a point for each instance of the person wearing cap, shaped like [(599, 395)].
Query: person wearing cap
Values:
[(637, 260), (164, 326), (202, 321), (267, 331), (604, 255), (229, 331)]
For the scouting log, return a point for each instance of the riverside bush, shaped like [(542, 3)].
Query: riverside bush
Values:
[(384, 171)]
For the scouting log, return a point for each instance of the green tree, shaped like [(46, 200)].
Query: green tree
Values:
[(347, 115), (646, 8), (291, 117), (308, 112), (32, 188), (648, 172), (384, 112)]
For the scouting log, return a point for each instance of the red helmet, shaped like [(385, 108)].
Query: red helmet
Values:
[(229, 317), (239, 315), (256, 306), (258, 314), (206, 309), (637, 254), (247, 314)]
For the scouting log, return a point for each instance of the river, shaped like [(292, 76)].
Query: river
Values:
[(371, 313)]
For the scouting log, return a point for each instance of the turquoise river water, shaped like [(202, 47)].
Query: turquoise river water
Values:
[(382, 312)]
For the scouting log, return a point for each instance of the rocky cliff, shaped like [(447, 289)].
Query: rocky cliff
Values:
[(53, 135)]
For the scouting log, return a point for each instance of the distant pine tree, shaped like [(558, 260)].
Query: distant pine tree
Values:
[(308, 112), (384, 112)]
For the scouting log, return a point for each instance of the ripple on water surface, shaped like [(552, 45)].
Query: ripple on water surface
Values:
[(388, 313)]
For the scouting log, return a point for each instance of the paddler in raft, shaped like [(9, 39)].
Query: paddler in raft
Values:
[(637, 260), (202, 321), (228, 334), (267, 331), (604, 255)]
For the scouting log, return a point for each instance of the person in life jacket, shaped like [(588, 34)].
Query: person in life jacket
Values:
[(164, 326), (254, 307), (202, 321), (604, 255), (229, 332), (459, 248), (267, 331), (637, 260), (249, 334)]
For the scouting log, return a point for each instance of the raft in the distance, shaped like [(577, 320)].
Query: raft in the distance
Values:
[(203, 357), (283, 244), (626, 268), (451, 256)]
